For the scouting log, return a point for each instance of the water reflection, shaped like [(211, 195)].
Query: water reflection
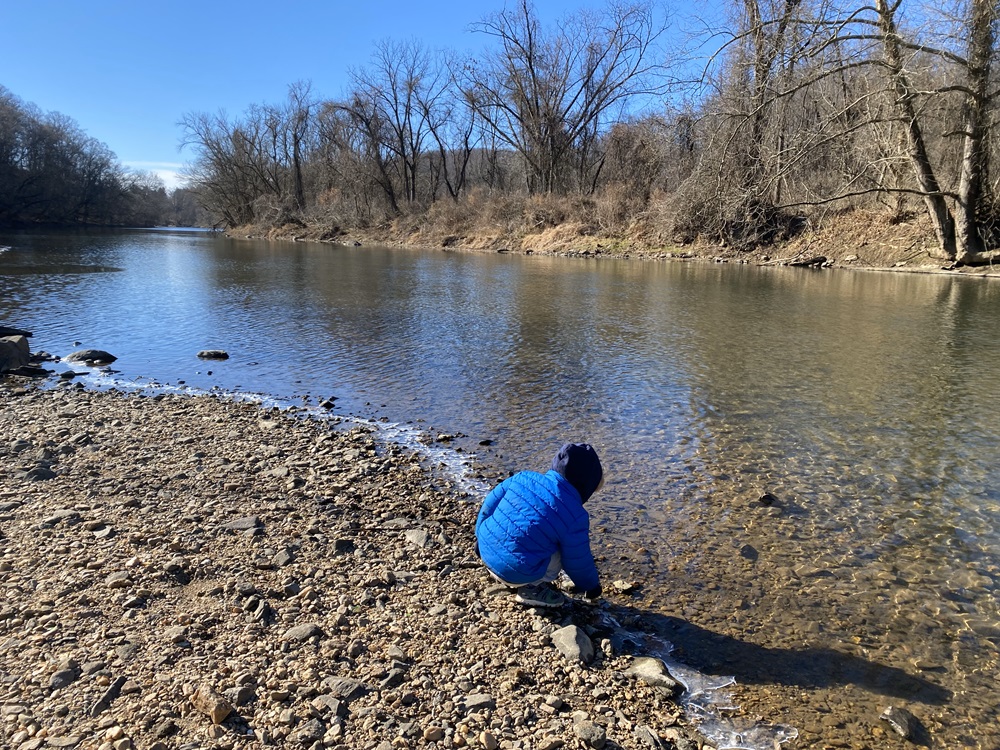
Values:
[(865, 403)]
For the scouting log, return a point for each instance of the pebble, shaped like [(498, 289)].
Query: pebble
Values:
[(303, 632), (592, 734), (433, 734)]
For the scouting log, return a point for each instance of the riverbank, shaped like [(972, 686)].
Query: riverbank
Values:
[(859, 240), (192, 572)]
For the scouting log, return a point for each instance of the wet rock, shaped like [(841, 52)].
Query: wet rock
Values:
[(6, 331), (13, 355), (654, 673), (574, 644), (213, 354), (904, 723), (91, 356)]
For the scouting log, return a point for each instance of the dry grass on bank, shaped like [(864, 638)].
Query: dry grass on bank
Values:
[(614, 224)]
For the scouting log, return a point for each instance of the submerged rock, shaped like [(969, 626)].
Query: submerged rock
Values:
[(902, 721)]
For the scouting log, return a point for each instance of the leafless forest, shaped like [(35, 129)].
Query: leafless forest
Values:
[(614, 124), (802, 110), (53, 173)]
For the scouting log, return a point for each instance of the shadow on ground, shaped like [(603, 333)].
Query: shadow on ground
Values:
[(751, 664)]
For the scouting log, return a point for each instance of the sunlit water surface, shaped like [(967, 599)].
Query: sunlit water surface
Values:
[(866, 403)]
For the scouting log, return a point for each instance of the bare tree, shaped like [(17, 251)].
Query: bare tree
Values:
[(549, 94), (299, 115), (817, 90), (453, 126)]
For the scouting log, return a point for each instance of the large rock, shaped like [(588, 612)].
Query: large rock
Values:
[(902, 721), (654, 673), (14, 353), (91, 356), (574, 644), (8, 331)]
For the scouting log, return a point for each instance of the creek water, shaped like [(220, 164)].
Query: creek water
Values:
[(866, 403)]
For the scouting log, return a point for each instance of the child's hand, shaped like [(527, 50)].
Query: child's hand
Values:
[(594, 594)]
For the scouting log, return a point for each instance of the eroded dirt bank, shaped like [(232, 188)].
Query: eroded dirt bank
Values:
[(861, 240)]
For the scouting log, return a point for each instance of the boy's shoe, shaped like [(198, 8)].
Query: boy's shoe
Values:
[(539, 596)]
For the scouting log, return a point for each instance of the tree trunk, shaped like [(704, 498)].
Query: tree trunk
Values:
[(971, 245), (937, 207)]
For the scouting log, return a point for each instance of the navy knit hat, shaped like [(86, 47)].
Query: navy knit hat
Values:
[(578, 462)]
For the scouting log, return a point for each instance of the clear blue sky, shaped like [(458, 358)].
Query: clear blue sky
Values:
[(128, 71)]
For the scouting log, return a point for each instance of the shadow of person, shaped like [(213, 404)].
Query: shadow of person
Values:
[(807, 667)]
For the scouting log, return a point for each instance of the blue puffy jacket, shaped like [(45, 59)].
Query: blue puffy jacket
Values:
[(528, 518)]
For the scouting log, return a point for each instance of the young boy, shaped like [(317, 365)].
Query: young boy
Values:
[(533, 525)]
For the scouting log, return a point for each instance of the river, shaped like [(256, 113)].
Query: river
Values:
[(865, 403)]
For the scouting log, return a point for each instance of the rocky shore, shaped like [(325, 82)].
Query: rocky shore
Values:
[(188, 572)]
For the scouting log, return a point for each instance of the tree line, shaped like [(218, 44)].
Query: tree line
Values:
[(52, 172), (799, 111), (805, 108)]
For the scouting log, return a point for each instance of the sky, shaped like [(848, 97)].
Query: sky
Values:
[(127, 72)]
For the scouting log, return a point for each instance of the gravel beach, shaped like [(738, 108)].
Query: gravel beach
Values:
[(186, 572)]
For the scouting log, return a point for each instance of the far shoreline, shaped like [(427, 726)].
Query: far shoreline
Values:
[(856, 245)]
